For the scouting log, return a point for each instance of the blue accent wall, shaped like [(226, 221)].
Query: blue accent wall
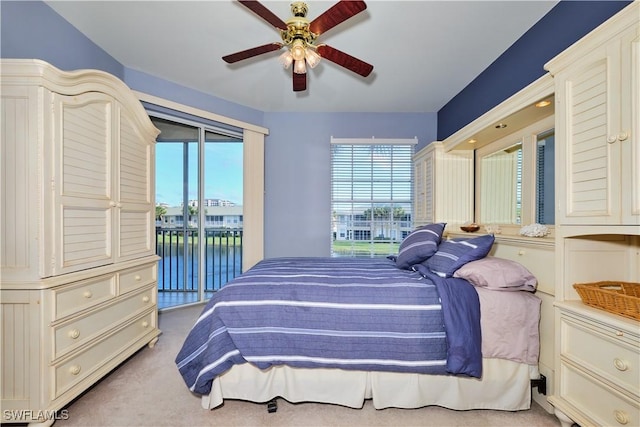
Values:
[(523, 62)]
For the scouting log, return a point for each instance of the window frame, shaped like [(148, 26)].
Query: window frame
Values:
[(398, 228)]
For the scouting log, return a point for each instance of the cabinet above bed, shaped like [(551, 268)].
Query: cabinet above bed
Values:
[(598, 119), (443, 186)]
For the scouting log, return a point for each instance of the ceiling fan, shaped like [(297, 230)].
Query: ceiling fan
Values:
[(299, 36)]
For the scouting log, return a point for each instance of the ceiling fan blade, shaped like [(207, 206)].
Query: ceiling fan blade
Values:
[(249, 53), (299, 82), (335, 15), (264, 13), (345, 60)]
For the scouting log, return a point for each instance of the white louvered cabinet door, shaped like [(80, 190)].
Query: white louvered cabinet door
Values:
[(421, 201), (82, 215), (629, 137), (443, 186), (135, 213), (597, 127)]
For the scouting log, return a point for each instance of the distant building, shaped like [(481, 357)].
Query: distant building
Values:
[(211, 202), (353, 226), (215, 217)]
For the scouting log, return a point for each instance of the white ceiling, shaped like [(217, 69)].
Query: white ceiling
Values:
[(423, 52)]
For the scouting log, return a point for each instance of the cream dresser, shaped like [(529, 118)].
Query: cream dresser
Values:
[(79, 272), (597, 84)]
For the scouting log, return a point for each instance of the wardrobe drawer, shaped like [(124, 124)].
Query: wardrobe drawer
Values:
[(599, 350), (603, 405), (134, 278), (71, 299), (69, 373), (74, 333)]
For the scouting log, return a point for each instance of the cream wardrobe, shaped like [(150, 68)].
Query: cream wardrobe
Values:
[(79, 272), (590, 357), (597, 84)]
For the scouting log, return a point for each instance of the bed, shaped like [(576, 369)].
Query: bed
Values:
[(344, 330)]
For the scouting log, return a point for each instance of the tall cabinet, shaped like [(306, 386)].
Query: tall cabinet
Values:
[(597, 83), (443, 184), (79, 272)]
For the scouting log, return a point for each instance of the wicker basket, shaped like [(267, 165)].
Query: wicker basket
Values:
[(621, 298)]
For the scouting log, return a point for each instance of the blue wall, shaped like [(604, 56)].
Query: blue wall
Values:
[(297, 199), (297, 212), (523, 62), (31, 29)]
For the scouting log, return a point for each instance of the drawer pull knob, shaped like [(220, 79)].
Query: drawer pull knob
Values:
[(87, 294), (74, 370), (621, 417), (619, 333), (137, 277), (620, 364), (145, 324), (146, 298), (521, 252), (74, 333)]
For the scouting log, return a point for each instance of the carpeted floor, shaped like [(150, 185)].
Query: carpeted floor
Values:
[(148, 391)]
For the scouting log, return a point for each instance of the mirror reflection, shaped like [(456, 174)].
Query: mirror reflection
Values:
[(515, 178), (545, 178), (501, 186)]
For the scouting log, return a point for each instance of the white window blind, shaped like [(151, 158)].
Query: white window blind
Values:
[(371, 195)]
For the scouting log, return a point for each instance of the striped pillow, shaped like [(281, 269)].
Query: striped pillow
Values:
[(419, 245), (453, 254)]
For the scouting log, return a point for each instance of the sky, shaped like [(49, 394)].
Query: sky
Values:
[(223, 172)]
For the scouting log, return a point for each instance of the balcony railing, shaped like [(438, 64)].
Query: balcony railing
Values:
[(179, 252)]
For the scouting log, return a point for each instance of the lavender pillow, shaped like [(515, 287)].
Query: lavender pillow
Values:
[(498, 274), (453, 254), (419, 245)]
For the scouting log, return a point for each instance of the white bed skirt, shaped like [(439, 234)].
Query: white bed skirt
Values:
[(505, 385)]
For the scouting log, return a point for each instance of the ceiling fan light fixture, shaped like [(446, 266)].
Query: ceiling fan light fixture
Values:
[(312, 57), (298, 50), (299, 67), (286, 59), (299, 35)]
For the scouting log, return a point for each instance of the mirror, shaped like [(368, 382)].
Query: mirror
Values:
[(501, 186), (515, 177)]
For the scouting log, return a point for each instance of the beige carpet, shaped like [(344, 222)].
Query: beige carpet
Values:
[(148, 391)]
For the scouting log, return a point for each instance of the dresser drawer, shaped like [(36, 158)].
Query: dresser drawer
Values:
[(76, 332), (134, 278), (602, 352), (603, 405), (71, 299), (69, 373)]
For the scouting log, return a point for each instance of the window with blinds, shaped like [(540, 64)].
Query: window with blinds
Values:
[(371, 196), (545, 165)]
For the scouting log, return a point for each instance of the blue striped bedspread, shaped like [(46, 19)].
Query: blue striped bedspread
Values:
[(348, 313)]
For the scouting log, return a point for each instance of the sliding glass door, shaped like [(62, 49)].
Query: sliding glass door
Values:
[(198, 209)]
